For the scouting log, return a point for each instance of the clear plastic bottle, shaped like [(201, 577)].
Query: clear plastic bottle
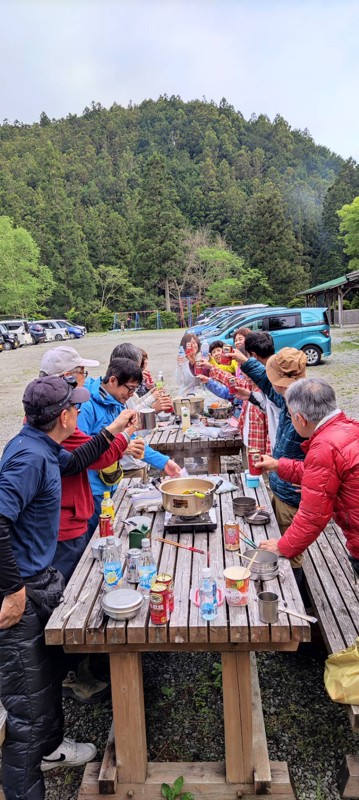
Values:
[(208, 595), (185, 418), (112, 570), (147, 568), (107, 506), (160, 380), (181, 359), (205, 349)]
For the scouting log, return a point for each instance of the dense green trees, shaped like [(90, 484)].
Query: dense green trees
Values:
[(25, 284), (121, 203)]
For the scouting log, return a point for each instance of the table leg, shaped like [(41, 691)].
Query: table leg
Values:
[(129, 717), (237, 708), (214, 464)]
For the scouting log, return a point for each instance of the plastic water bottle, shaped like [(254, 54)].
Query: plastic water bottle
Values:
[(160, 380), (205, 349), (181, 356), (107, 506), (147, 568), (112, 570), (185, 418), (208, 595)]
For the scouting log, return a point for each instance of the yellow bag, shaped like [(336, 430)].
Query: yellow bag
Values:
[(111, 475), (341, 676)]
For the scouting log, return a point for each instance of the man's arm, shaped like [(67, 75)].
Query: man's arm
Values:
[(257, 373)]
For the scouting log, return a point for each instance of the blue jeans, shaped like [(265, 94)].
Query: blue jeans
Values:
[(68, 554)]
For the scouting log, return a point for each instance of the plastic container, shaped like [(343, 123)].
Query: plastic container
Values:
[(147, 568), (107, 506), (252, 481), (112, 569), (185, 418), (236, 585), (208, 595)]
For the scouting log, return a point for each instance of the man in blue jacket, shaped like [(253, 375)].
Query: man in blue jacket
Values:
[(109, 396), (281, 370)]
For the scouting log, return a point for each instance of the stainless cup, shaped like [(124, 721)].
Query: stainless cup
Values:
[(268, 606)]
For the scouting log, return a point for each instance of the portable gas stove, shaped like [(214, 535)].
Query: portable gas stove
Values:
[(198, 524)]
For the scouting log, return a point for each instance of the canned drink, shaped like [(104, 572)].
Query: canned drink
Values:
[(106, 525), (231, 535), (132, 560), (159, 605), (167, 581), (141, 441), (226, 356), (253, 457)]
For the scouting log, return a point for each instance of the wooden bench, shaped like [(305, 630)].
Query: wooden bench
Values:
[(335, 597)]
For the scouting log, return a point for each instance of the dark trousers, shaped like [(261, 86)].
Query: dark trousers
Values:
[(68, 554), (30, 690), (93, 521)]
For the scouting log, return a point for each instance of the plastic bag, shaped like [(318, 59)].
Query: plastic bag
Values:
[(341, 676)]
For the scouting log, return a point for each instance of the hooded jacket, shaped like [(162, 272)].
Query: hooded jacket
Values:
[(288, 442), (100, 410), (329, 476)]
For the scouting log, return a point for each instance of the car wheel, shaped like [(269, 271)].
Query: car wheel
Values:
[(71, 336), (313, 354), (58, 337), (7, 346)]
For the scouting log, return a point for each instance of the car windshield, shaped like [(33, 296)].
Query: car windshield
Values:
[(230, 319)]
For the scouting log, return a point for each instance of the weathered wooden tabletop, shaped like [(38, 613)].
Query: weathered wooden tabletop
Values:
[(173, 442), (88, 629)]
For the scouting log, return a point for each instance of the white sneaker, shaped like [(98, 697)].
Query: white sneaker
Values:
[(69, 754)]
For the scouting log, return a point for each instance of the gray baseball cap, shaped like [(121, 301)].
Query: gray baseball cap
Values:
[(61, 359)]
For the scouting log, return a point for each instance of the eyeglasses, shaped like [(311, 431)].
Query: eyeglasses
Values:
[(130, 389), (72, 405), (80, 371)]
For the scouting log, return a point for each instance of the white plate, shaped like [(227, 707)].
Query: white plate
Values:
[(122, 600)]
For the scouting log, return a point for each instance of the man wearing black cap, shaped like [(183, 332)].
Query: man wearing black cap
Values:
[(30, 492)]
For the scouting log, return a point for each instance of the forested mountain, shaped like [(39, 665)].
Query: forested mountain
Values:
[(125, 203)]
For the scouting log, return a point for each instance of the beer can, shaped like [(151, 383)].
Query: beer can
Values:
[(106, 525), (167, 580), (132, 560), (231, 535), (159, 606), (253, 457)]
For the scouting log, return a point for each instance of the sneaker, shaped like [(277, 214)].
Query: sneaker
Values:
[(86, 689), (69, 754)]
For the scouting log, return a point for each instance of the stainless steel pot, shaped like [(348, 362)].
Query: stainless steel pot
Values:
[(196, 404), (219, 413), (265, 564), (188, 505), (147, 419)]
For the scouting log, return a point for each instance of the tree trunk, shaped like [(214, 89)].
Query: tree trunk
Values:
[(167, 295)]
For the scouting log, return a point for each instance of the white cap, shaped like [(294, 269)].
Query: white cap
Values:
[(206, 572), (61, 359), (145, 543)]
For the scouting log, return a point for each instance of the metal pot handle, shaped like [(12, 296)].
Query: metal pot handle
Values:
[(217, 485)]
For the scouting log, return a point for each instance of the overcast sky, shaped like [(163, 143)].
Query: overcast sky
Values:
[(297, 58)]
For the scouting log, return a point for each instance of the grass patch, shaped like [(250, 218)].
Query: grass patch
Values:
[(344, 346)]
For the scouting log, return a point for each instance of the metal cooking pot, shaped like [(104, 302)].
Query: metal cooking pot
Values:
[(195, 402), (220, 413), (265, 563), (188, 505), (147, 419)]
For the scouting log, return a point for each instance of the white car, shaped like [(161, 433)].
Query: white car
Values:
[(54, 332)]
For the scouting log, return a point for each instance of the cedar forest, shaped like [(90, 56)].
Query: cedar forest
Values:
[(133, 208)]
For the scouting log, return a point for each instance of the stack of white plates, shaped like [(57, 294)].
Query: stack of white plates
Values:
[(122, 603)]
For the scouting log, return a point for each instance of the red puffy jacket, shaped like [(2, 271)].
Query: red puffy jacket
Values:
[(329, 476), (77, 505)]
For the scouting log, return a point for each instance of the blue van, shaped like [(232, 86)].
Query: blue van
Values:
[(223, 315), (306, 329)]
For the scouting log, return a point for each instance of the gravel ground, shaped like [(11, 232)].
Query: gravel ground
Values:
[(183, 691)]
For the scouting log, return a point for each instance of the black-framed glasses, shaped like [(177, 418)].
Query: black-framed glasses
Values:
[(130, 389)]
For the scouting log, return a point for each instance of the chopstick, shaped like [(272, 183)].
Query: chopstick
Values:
[(247, 541), (78, 603), (177, 544)]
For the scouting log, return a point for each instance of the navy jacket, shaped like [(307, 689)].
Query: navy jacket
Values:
[(288, 442)]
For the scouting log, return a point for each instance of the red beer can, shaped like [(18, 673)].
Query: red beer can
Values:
[(106, 525), (167, 581), (159, 605), (253, 457)]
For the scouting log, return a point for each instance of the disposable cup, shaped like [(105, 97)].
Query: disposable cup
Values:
[(236, 585)]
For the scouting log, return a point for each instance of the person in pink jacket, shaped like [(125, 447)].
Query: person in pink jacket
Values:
[(329, 474)]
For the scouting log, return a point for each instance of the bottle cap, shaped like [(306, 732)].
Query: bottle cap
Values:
[(206, 572), (110, 540), (106, 495), (145, 543)]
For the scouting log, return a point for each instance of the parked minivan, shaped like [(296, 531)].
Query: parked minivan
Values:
[(54, 331), (20, 327), (306, 329), (219, 316)]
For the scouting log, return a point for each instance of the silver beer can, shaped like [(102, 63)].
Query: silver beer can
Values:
[(132, 559)]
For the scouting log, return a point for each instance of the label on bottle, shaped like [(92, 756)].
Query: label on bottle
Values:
[(112, 574), (147, 573)]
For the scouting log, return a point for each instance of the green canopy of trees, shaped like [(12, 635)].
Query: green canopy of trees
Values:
[(120, 203)]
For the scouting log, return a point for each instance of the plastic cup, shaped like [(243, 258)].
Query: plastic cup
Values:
[(236, 581)]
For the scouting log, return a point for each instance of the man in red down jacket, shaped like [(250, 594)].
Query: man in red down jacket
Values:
[(329, 474)]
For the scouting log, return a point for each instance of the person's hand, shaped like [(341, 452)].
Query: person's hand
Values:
[(272, 545), (147, 378), (127, 418), (164, 403), (12, 609), (268, 463), (135, 449), (243, 394), (237, 355), (203, 378), (172, 469)]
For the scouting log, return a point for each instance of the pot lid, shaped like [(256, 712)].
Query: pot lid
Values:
[(122, 600)]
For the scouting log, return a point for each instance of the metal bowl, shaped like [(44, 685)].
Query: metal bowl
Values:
[(243, 504), (257, 517), (265, 564)]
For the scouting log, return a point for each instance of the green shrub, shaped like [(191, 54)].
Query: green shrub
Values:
[(100, 320), (168, 319)]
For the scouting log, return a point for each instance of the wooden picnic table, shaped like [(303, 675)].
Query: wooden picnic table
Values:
[(173, 442), (237, 633)]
